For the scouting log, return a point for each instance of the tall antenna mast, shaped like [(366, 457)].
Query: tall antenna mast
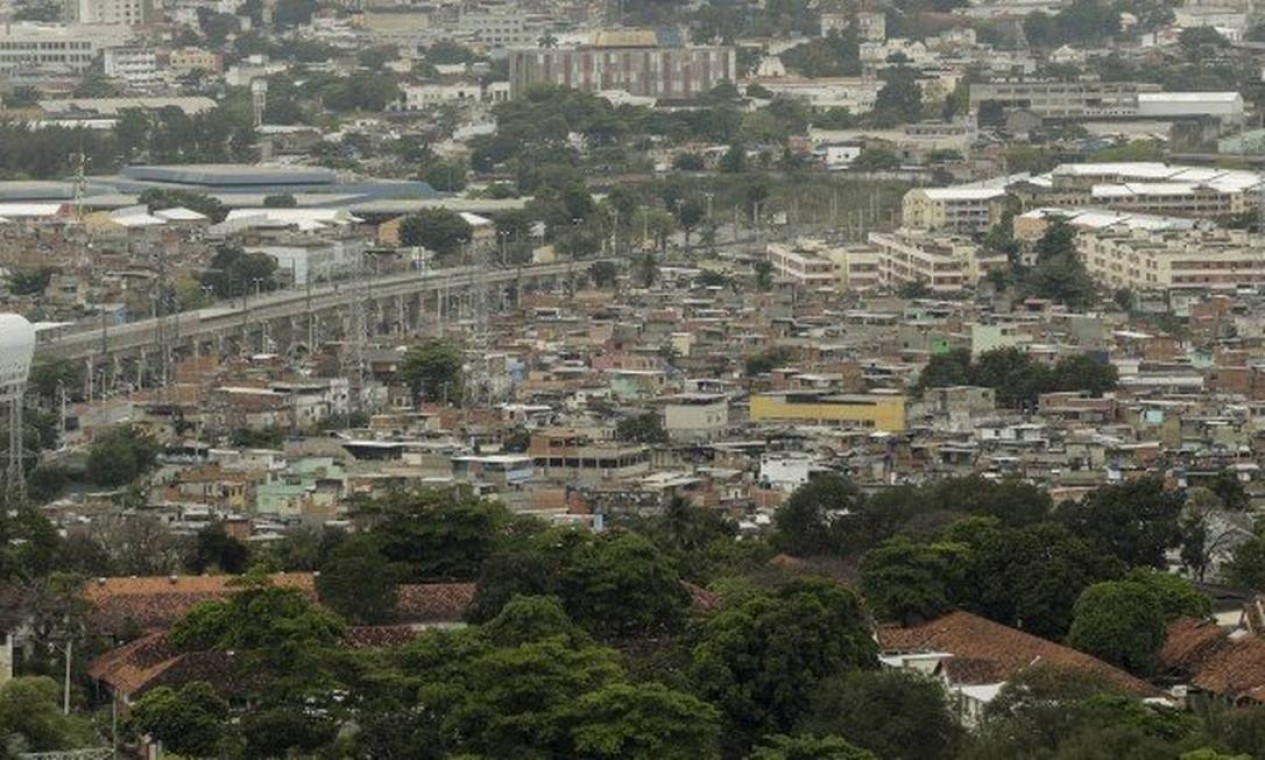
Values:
[(479, 389)]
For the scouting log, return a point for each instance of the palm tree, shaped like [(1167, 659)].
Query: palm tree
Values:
[(547, 40)]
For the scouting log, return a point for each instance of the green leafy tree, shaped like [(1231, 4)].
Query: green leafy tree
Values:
[(1135, 521), (1175, 595), (875, 160), (446, 176), (22, 96), (190, 721), (1047, 711), (213, 548), (436, 229), (29, 282), (286, 731), (643, 428), (259, 617), (280, 200), (892, 713), (505, 701), (1120, 622), (1246, 568), (234, 272), (158, 199), (900, 99), (357, 582), (1028, 577), (909, 582), (436, 535), (816, 520), (1229, 489), (701, 541), (644, 722), (808, 747), (759, 660), (734, 161), (120, 456), (604, 273), (434, 371), (763, 274), (31, 719), (1059, 274), (533, 618), (688, 162), (620, 586)]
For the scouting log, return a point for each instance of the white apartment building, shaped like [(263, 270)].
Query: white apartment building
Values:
[(943, 264), (501, 29), (813, 264), (871, 27), (857, 94), (138, 67), (695, 416), (1172, 259), (125, 12), (29, 49), (966, 210), (422, 96)]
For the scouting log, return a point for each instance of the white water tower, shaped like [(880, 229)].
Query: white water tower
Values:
[(17, 347)]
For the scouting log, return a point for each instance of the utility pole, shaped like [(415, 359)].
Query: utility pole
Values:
[(70, 647)]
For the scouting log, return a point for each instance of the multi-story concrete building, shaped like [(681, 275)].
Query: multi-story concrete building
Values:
[(138, 67), (634, 62), (1052, 98), (33, 49), (695, 416), (125, 12), (857, 94), (501, 28), (810, 263), (943, 264), (185, 60), (1144, 188), (1172, 259), (965, 210), (1097, 99), (419, 97), (885, 413), (575, 457)]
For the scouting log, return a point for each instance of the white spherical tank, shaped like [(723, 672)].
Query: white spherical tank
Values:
[(17, 347)]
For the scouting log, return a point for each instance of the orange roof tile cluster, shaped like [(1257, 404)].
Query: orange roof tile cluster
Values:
[(151, 661), (129, 667), (988, 652), (1215, 662), (156, 602)]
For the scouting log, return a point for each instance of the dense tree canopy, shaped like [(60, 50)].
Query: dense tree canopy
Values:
[(434, 370), (1018, 378), (758, 659), (120, 456)]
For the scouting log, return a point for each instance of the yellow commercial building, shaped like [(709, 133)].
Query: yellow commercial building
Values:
[(884, 413)]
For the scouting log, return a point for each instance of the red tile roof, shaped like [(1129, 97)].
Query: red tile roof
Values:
[(151, 661), (1214, 661), (988, 652), (155, 603)]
